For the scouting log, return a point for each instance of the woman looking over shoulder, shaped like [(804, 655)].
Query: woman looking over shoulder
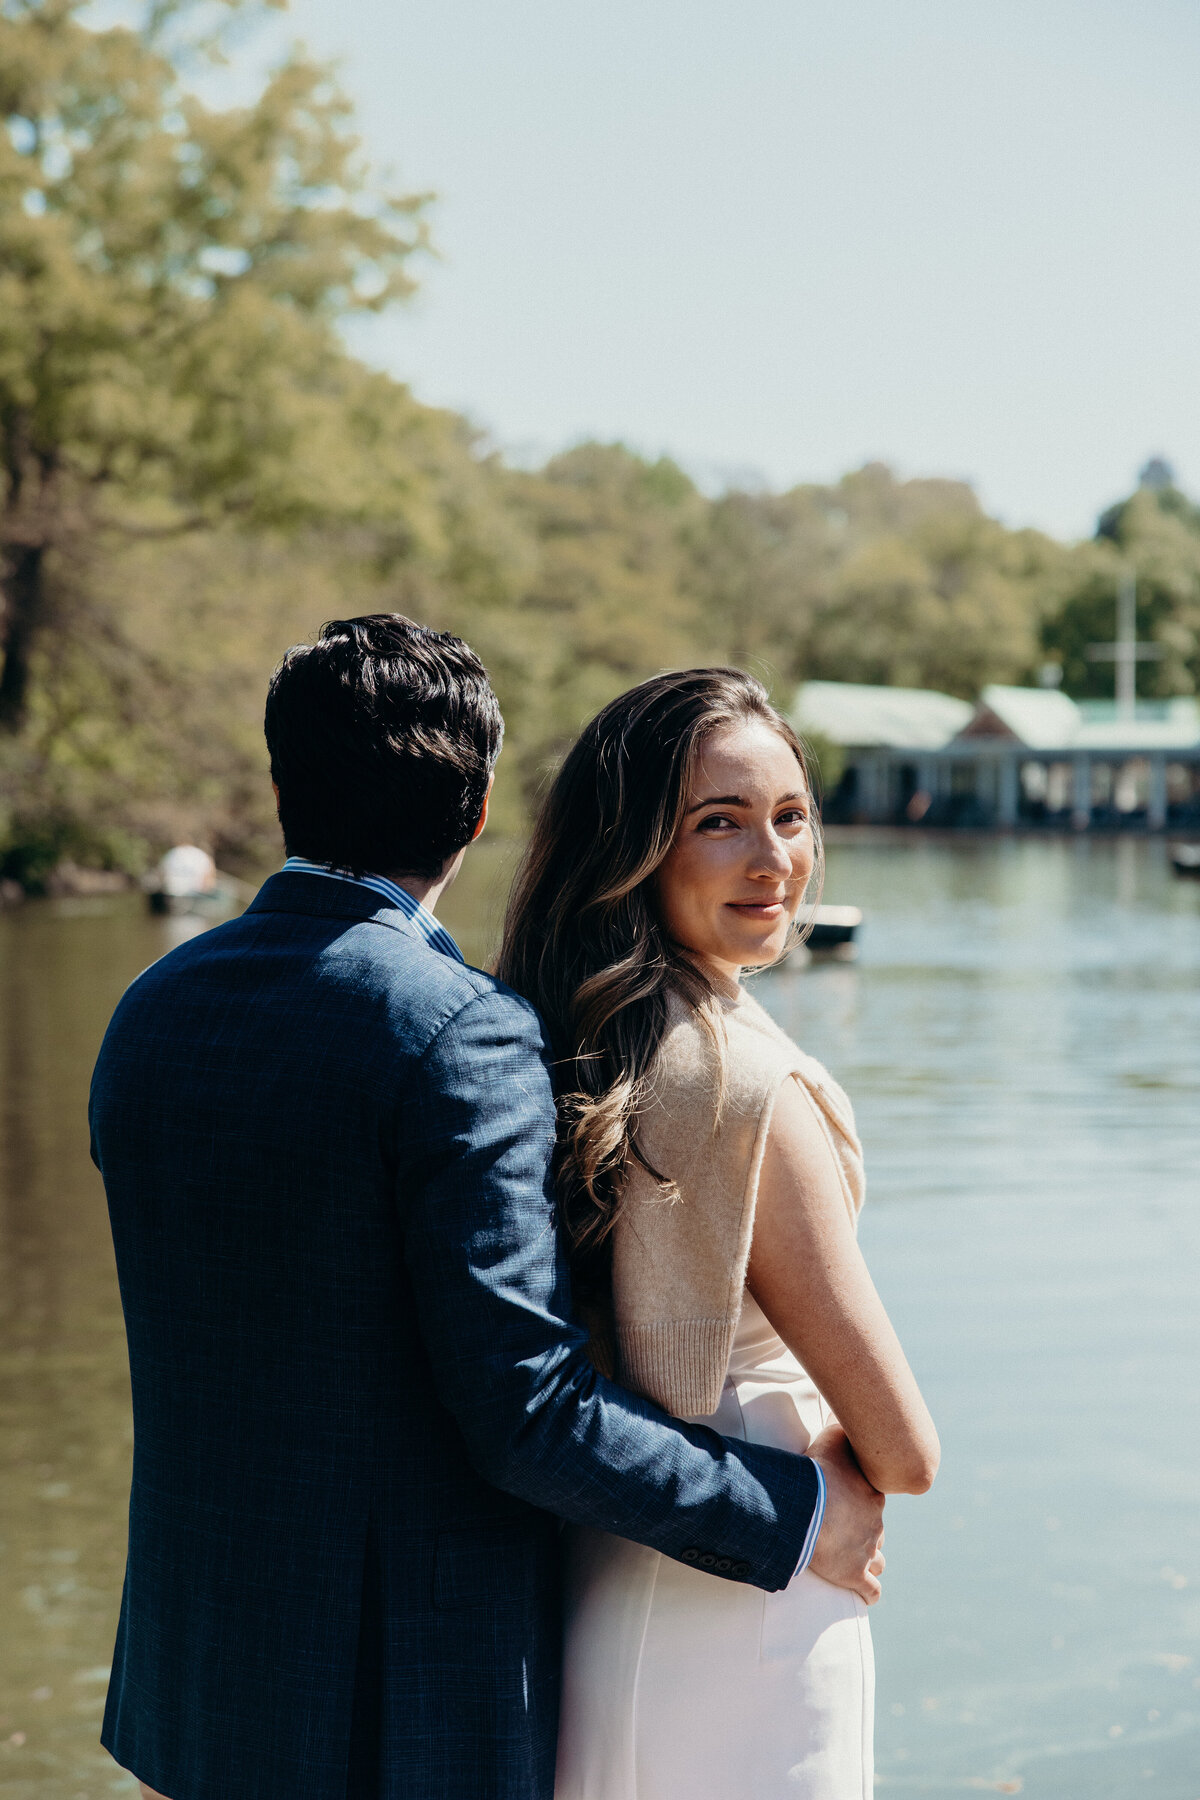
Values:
[(710, 1180)]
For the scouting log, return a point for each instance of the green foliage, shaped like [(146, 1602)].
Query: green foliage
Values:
[(826, 762), (33, 844), (1155, 533), (194, 474), (948, 605), (170, 280), (603, 599)]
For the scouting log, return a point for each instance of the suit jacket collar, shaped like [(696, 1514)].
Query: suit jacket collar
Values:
[(326, 897)]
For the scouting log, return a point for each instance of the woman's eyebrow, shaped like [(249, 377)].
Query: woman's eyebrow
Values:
[(718, 800), (736, 800)]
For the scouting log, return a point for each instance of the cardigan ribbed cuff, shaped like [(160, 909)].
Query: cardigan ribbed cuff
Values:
[(681, 1362)]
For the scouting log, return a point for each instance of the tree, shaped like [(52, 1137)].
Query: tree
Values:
[(760, 562), (194, 473), (943, 608), (1155, 534), (602, 602), (171, 276), (873, 579), (770, 571)]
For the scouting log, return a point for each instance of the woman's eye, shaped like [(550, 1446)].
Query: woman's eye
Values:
[(795, 815), (715, 822)]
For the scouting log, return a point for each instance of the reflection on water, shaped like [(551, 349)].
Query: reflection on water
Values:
[(1022, 1041), (64, 1400)]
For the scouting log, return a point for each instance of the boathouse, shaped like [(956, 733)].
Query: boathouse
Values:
[(1018, 757)]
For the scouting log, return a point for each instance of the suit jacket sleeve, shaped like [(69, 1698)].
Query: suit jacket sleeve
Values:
[(475, 1135)]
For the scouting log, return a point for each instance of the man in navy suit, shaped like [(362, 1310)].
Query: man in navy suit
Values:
[(360, 1401)]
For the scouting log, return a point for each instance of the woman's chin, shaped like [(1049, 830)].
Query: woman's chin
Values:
[(756, 953), (727, 956)]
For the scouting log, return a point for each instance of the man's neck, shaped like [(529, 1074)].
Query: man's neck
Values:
[(428, 889)]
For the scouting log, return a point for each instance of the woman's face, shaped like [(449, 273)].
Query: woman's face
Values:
[(732, 881)]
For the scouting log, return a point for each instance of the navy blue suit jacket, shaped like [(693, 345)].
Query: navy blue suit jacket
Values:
[(359, 1396)]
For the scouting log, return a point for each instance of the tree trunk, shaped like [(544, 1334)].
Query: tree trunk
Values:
[(23, 591)]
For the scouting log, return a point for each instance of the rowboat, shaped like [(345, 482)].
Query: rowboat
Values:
[(830, 927), (1185, 859), (188, 884)]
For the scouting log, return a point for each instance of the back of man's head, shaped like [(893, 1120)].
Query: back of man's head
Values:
[(383, 736)]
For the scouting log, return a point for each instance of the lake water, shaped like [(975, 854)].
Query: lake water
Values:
[(1021, 1037)]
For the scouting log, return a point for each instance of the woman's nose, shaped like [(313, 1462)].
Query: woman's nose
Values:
[(771, 856)]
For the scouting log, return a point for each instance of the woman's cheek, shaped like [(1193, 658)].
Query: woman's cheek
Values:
[(677, 911)]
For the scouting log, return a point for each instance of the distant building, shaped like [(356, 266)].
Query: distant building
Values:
[(1018, 757)]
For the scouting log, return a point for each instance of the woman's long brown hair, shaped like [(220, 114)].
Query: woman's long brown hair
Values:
[(583, 939)]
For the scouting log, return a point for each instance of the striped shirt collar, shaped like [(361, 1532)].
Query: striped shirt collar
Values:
[(420, 917)]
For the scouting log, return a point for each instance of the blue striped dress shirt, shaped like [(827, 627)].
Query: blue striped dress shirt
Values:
[(431, 929)]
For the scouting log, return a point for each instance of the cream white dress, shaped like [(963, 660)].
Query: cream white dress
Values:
[(682, 1686)]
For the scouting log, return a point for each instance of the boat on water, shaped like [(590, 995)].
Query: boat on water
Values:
[(832, 928), (1185, 859), (188, 882)]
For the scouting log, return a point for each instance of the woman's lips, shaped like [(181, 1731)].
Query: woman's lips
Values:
[(757, 909)]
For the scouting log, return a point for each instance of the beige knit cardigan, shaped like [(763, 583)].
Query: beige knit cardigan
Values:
[(679, 1265)]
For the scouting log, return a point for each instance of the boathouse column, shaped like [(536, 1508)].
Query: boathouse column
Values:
[(1007, 791), (1081, 812), (865, 786), (1156, 796), (887, 787), (873, 773)]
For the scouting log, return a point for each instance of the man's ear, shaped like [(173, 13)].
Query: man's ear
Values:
[(484, 813), (275, 791)]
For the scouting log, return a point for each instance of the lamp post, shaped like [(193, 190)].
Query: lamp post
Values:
[(1126, 653)]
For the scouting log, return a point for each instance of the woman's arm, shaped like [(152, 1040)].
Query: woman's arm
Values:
[(808, 1275)]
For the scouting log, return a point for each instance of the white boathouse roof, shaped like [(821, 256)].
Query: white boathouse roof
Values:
[(861, 717), (1043, 720), (1156, 725)]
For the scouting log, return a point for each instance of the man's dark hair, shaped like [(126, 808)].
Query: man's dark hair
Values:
[(383, 735)]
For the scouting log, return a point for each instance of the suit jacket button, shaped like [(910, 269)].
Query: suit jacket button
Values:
[(689, 1556), (741, 1568), (724, 1565), (708, 1560)]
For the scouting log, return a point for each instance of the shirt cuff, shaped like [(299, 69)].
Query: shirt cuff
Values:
[(814, 1524)]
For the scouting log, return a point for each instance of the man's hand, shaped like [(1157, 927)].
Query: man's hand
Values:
[(848, 1549)]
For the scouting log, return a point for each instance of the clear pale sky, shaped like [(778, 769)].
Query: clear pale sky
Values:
[(778, 238)]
